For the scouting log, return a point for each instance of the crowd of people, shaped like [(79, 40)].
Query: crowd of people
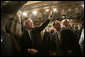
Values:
[(58, 41), (61, 40)]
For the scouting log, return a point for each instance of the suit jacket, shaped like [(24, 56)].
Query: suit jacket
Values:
[(36, 41), (54, 41), (69, 42)]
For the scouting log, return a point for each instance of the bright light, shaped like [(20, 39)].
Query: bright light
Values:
[(24, 13), (35, 12), (69, 9), (1, 40), (47, 10), (82, 5), (63, 17), (54, 9), (62, 10)]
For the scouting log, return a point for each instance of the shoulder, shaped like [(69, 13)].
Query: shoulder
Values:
[(25, 32), (66, 32), (35, 29)]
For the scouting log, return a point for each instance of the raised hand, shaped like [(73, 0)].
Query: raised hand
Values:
[(50, 15)]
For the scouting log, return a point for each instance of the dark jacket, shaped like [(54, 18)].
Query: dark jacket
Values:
[(70, 46)]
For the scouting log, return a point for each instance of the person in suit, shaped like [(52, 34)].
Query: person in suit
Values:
[(56, 38), (31, 42), (70, 46), (57, 26)]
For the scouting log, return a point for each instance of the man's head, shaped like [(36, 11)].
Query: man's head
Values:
[(29, 24), (57, 25), (65, 22)]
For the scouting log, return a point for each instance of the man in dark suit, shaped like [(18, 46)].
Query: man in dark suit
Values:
[(31, 42), (70, 46), (56, 38)]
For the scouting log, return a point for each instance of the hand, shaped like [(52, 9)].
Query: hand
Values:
[(50, 16), (33, 51)]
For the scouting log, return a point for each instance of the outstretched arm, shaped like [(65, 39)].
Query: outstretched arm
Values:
[(46, 22)]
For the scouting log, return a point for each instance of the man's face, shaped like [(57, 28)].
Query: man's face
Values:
[(29, 24), (66, 23), (57, 26)]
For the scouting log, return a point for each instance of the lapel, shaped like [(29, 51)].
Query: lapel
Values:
[(30, 38)]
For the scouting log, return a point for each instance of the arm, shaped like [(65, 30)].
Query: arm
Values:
[(44, 25), (46, 22)]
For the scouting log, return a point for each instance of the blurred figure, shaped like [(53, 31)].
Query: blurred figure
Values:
[(77, 32), (9, 45), (7, 48), (70, 46), (81, 40)]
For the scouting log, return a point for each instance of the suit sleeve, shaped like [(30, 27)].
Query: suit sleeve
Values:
[(44, 25)]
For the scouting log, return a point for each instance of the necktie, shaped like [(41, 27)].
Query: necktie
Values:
[(30, 35), (59, 38)]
